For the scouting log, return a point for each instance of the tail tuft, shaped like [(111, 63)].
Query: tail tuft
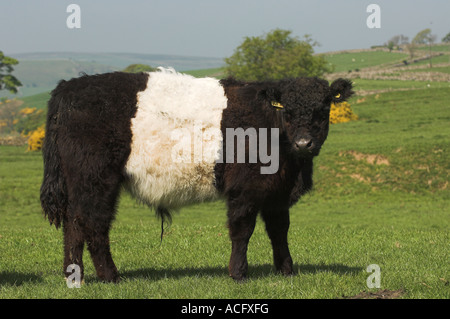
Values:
[(165, 216), (53, 189)]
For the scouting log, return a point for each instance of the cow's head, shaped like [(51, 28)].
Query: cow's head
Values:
[(302, 109)]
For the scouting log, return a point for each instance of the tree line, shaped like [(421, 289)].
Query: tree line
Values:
[(421, 38), (272, 56)]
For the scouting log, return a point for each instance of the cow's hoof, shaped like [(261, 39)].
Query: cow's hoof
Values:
[(239, 278)]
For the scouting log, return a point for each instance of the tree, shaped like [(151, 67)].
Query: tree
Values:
[(390, 45), (424, 37), (8, 81), (446, 39), (275, 56), (396, 41), (403, 39), (136, 68), (411, 47)]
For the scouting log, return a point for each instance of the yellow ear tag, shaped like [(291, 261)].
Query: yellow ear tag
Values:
[(277, 105), (338, 95)]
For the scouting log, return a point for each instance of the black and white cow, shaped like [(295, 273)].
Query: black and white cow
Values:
[(172, 140)]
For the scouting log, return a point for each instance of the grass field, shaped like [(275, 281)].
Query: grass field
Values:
[(436, 48), (38, 101), (345, 61), (443, 69), (381, 197), (381, 85)]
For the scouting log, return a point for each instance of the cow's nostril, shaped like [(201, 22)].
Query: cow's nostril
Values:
[(304, 144)]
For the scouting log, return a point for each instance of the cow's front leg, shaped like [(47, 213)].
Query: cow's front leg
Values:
[(277, 226), (241, 223)]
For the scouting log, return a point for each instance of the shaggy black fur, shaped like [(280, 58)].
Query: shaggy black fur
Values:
[(304, 117), (88, 140), (87, 144)]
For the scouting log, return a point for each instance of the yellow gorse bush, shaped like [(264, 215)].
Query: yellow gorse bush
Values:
[(36, 139), (341, 113), (5, 101), (27, 110)]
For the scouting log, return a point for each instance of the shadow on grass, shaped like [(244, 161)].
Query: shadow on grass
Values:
[(17, 279), (255, 271)]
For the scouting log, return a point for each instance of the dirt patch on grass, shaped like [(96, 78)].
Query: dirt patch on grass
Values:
[(360, 178), (380, 294), (373, 159)]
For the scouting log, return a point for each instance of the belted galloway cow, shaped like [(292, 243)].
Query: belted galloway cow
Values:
[(173, 140)]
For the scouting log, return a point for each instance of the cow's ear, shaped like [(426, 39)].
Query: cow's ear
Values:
[(341, 90), (272, 96)]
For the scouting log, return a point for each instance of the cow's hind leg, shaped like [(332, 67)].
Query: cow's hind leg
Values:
[(97, 227), (241, 223), (73, 244), (98, 246), (93, 202), (277, 226)]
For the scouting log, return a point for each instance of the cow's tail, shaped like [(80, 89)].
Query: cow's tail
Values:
[(165, 216), (53, 189)]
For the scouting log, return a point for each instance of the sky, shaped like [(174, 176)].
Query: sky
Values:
[(208, 28)]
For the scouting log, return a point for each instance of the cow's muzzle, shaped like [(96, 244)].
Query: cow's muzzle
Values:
[(305, 146)]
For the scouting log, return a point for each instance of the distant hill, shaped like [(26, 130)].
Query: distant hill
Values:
[(40, 72)]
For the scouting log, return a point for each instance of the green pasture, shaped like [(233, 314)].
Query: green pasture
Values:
[(381, 197), (383, 85), (436, 47), (443, 69), (38, 101), (445, 58), (346, 61)]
